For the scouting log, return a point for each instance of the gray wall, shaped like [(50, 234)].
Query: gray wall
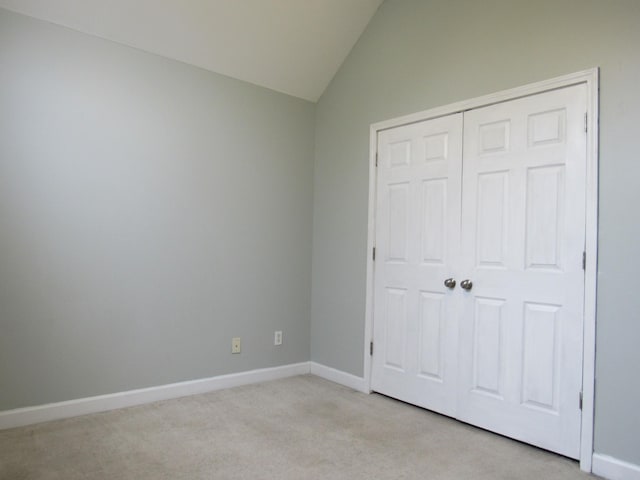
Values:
[(149, 211), (418, 54)]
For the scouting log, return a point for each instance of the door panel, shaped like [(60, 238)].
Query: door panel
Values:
[(488, 347), (540, 351), (417, 244), (431, 327), (522, 241), (492, 205), (545, 214)]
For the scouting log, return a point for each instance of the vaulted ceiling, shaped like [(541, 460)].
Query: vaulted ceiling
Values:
[(292, 46)]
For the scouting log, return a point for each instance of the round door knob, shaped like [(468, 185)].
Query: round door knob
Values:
[(466, 284), (450, 283)]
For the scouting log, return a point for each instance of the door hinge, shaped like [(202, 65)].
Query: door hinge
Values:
[(371, 348), (584, 260), (580, 401), (376, 159), (586, 123), (374, 254)]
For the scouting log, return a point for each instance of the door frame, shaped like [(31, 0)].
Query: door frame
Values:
[(590, 78)]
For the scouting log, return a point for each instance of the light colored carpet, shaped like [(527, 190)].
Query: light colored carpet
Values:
[(296, 428)]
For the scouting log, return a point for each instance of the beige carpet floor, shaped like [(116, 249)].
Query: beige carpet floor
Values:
[(297, 428)]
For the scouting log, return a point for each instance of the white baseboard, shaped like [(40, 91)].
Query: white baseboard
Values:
[(72, 408), (340, 377), (614, 469), (102, 403)]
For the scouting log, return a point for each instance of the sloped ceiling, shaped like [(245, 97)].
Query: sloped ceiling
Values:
[(292, 46)]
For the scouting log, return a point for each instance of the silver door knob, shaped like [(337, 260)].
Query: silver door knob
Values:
[(450, 283), (466, 284)]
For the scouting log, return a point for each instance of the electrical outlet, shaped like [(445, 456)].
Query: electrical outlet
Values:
[(235, 345), (277, 337)]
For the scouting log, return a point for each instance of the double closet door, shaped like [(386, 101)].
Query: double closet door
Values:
[(479, 280)]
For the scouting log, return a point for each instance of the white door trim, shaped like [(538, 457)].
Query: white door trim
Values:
[(591, 79)]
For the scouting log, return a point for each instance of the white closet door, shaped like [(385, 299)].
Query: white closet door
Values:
[(504, 354), (417, 245), (523, 234)]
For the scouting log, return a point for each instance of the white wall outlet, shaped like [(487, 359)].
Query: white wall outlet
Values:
[(277, 337), (235, 345)]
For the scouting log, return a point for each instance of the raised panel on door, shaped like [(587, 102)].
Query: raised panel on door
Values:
[(431, 327), (488, 348), (395, 328), (417, 245), (523, 230), (540, 359)]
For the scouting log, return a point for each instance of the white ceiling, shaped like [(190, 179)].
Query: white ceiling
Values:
[(292, 46)]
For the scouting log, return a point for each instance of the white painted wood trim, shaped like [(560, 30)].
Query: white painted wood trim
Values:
[(614, 469), (589, 77), (591, 272), (340, 377), (72, 408), (371, 235)]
